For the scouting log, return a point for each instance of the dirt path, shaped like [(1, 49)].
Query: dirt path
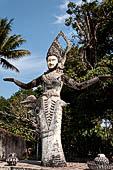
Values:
[(36, 165)]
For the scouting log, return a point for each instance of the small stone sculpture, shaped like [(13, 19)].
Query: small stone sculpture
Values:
[(47, 110), (100, 163), (12, 159), (101, 160)]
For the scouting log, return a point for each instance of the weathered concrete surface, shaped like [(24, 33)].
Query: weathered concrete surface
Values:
[(35, 165), (11, 143)]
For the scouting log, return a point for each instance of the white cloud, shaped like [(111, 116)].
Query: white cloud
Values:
[(61, 19), (28, 63), (64, 5), (79, 2), (30, 67)]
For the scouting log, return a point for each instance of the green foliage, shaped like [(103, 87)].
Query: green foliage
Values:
[(93, 25), (3, 104), (82, 131), (9, 45), (15, 117)]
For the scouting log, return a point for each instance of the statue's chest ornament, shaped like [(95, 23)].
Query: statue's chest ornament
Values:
[(52, 79)]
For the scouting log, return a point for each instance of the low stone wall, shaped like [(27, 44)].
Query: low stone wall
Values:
[(11, 143)]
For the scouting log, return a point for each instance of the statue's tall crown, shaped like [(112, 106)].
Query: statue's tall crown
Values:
[(55, 49)]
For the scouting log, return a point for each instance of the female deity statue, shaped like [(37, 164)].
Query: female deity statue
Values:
[(48, 109)]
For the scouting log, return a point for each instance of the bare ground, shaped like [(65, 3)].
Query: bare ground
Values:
[(36, 165)]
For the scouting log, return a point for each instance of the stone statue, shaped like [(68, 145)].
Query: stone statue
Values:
[(48, 108), (101, 162)]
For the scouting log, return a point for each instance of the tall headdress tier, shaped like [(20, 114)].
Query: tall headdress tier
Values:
[(56, 49)]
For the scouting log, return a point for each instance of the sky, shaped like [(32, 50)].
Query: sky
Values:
[(38, 21)]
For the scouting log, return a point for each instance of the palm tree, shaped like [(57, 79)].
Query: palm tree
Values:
[(9, 45)]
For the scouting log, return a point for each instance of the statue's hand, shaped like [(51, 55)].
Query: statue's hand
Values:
[(103, 78), (9, 79)]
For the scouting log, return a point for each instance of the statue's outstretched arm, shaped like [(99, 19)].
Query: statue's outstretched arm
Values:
[(79, 86), (29, 85)]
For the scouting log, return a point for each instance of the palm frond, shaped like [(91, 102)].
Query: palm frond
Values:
[(15, 54), (4, 24), (9, 44), (12, 42), (5, 28), (6, 65)]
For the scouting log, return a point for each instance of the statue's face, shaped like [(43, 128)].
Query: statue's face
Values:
[(52, 61)]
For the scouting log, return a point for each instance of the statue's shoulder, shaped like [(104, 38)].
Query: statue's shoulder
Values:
[(44, 75)]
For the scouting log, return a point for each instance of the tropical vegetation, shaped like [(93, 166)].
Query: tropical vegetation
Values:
[(9, 45)]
